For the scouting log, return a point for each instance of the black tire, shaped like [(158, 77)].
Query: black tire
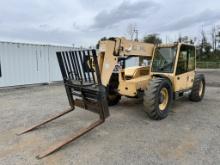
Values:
[(113, 99), (196, 95), (152, 98)]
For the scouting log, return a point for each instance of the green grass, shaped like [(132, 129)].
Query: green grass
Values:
[(208, 64)]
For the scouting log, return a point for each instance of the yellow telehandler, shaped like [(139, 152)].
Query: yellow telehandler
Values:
[(94, 79), (169, 74)]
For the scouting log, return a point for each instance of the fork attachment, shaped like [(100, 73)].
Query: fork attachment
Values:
[(84, 89)]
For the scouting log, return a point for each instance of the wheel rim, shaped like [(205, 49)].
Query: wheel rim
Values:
[(164, 97), (201, 88)]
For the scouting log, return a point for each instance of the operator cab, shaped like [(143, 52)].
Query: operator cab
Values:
[(177, 62), (134, 76), (136, 67)]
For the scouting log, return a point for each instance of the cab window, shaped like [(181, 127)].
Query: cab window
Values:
[(192, 58), (0, 70), (186, 61)]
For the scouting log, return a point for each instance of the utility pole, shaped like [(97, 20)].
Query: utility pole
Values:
[(136, 34), (132, 31)]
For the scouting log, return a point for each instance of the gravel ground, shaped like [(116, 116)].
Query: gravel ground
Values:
[(212, 76), (189, 135)]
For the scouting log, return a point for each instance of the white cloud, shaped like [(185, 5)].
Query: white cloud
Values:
[(86, 21), (125, 11), (205, 17)]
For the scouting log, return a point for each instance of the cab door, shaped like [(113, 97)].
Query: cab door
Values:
[(191, 66), (185, 70), (181, 75), (0, 68)]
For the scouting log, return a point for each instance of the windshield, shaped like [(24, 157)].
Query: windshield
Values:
[(136, 61), (164, 59), (132, 61)]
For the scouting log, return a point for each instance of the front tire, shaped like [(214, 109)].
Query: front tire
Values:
[(113, 99), (158, 98), (198, 89)]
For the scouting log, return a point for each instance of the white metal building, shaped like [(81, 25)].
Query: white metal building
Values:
[(22, 64)]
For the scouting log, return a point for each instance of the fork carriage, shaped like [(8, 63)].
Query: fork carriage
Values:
[(84, 89)]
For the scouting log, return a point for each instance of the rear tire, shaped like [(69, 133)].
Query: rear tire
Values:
[(198, 89), (158, 98)]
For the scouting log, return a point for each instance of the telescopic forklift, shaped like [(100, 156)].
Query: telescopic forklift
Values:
[(95, 79), (169, 74)]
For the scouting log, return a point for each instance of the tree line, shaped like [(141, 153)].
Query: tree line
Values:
[(207, 46)]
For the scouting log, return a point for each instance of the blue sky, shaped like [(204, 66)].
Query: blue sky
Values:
[(84, 22)]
